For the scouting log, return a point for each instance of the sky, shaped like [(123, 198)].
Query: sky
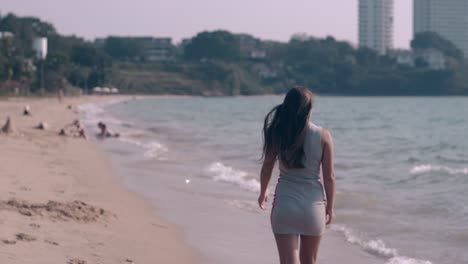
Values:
[(266, 19)]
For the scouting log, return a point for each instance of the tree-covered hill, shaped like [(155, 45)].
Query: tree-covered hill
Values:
[(223, 63)]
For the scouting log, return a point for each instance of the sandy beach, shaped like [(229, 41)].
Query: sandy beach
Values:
[(61, 203)]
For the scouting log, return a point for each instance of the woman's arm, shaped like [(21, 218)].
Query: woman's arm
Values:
[(265, 176), (328, 173)]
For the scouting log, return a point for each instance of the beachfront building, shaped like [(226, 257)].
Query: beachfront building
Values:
[(157, 49), (448, 18), (376, 24), (435, 59), (403, 57), (251, 47), (431, 59), (6, 34), (153, 49)]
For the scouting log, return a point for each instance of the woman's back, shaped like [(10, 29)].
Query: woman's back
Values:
[(298, 207), (312, 158)]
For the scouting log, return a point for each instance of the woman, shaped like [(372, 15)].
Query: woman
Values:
[(302, 205)]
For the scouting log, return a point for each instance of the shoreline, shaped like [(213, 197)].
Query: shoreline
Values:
[(160, 182), (61, 201)]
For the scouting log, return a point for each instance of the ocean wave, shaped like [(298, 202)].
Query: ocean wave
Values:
[(91, 114), (376, 247), (228, 174), (421, 169), (458, 160), (151, 149), (248, 205)]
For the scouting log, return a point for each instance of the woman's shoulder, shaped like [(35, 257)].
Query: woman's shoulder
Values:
[(315, 127), (323, 132)]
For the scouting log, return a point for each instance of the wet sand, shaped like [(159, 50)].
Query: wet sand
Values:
[(61, 203)]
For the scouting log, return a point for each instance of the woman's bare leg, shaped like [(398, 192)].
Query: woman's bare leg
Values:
[(288, 248), (309, 249)]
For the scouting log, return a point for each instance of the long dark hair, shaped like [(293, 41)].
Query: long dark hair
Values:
[(285, 127)]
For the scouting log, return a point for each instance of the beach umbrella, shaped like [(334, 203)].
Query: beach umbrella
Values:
[(114, 90), (106, 90), (97, 89)]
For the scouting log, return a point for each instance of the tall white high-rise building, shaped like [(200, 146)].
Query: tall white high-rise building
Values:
[(376, 24), (448, 18)]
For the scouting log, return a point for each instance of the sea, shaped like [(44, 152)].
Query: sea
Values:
[(401, 167)]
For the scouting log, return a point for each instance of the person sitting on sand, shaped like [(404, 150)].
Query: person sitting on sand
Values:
[(62, 132), (27, 110), (76, 123), (81, 133), (42, 126), (75, 130)]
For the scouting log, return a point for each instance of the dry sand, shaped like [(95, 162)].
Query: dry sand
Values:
[(60, 203)]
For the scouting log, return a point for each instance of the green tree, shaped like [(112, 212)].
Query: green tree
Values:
[(124, 48), (220, 45), (25, 29), (87, 55), (79, 76), (428, 39), (56, 67)]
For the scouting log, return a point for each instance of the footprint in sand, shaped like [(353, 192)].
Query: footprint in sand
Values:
[(25, 237), (8, 242), (34, 225), (76, 261), (51, 242), (24, 188), (159, 225)]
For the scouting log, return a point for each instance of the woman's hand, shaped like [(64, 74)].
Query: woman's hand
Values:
[(262, 200), (329, 215)]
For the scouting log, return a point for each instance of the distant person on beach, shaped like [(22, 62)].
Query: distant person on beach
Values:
[(74, 129), (104, 131), (303, 200), (60, 95), (27, 110)]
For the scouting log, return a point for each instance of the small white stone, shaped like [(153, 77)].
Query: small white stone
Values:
[(187, 181)]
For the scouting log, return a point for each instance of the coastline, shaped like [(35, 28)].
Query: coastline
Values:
[(60, 201)]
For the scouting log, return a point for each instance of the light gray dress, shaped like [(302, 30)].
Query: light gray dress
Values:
[(299, 203)]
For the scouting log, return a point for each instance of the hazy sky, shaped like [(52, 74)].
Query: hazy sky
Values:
[(267, 19)]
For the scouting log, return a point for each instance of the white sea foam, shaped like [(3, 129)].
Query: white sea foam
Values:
[(228, 174), (91, 114), (248, 205), (421, 169), (151, 149), (405, 260), (376, 247)]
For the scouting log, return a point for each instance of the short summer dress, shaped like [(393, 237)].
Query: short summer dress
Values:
[(299, 203)]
